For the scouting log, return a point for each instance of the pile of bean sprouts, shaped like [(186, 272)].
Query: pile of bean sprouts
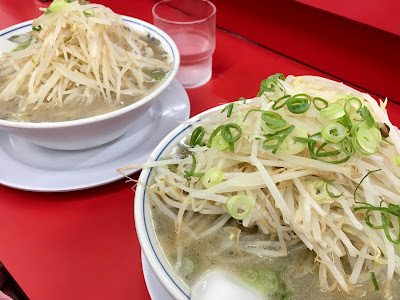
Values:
[(343, 205), (78, 52)]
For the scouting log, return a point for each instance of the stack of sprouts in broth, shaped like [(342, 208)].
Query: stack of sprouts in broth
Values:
[(309, 164), (79, 60)]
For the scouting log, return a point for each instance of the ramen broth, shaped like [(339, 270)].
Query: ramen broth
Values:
[(206, 254), (88, 105)]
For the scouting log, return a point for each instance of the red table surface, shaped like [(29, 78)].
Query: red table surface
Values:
[(83, 245)]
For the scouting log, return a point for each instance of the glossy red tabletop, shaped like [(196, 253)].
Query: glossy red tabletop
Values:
[(83, 245)]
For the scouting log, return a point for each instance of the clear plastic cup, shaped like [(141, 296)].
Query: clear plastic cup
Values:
[(191, 24)]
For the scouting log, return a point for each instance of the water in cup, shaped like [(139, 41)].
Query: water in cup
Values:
[(196, 58)]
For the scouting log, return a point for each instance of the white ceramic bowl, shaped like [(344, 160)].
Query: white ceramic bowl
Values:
[(98, 130), (143, 222)]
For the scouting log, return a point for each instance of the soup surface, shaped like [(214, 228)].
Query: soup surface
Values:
[(217, 251)]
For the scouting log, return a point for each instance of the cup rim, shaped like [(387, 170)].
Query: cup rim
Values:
[(155, 15)]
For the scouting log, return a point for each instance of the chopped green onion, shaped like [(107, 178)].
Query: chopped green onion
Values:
[(366, 115), (269, 84), (317, 191), (346, 121), (347, 147), (271, 119), (239, 206), (333, 111), (213, 135), (226, 132), (158, 74), (268, 282), (387, 141), (37, 28), (299, 103), (89, 12), (352, 103), (242, 99), (319, 184), (368, 139), (279, 136), (276, 102), (172, 167), (191, 173), (197, 137), (56, 5), (332, 195), (359, 184), (333, 132), (289, 146), (250, 276), (286, 295), (374, 281), (319, 152), (219, 143), (212, 177), (397, 160), (229, 107), (323, 101), (21, 47)]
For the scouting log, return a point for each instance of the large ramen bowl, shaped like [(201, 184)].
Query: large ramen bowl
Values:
[(98, 130), (143, 220)]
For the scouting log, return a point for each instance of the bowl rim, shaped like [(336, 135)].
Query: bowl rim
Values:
[(142, 229), (134, 22)]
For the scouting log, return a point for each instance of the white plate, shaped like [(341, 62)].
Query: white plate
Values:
[(27, 166), (156, 290)]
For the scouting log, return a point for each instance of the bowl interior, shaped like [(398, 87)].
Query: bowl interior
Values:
[(139, 26)]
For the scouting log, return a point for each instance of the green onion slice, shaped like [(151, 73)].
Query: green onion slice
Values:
[(239, 206), (368, 139), (352, 103), (332, 195), (89, 12), (226, 132), (212, 177), (279, 137), (269, 84), (197, 137), (317, 190), (319, 99), (299, 103), (333, 132), (366, 115), (56, 5), (213, 135), (347, 147), (219, 143), (191, 173), (374, 281), (333, 111), (229, 108), (289, 145), (37, 28)]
